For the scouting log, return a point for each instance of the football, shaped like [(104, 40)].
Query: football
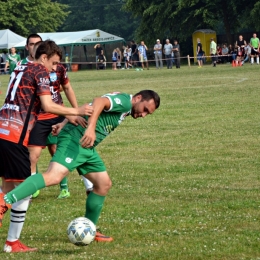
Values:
[(81, 231)]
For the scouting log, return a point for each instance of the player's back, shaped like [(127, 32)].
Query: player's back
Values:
[(22, 102)]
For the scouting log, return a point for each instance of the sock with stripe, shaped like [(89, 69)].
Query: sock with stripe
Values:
[(17, 218)]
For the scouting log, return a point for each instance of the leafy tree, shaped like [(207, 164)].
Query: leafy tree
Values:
[(24, 17), (98, 14), (182, 17)]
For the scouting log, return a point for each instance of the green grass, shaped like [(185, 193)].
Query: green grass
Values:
[(185, 180)]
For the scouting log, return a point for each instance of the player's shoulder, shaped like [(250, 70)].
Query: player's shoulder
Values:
[(60, 67)]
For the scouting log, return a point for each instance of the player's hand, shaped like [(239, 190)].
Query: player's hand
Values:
[(56, 129), (86, 110), (88, 138), (77, 120)]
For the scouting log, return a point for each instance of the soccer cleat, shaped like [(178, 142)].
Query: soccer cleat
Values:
[(64, 194), (36, 194), (102, 238), (3, 207), (17, 247)]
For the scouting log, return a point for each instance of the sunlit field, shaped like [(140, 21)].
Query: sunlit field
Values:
[(185, 179)]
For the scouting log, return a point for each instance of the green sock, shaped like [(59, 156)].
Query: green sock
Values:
[(94, 205), (26, 188), (64, 184)]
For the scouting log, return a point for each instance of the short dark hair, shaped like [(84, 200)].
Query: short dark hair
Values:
[(49, 48), (148, 95), (33, 35)]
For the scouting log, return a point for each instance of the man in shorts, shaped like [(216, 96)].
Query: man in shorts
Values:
[(143, 55), (254, 44), (76, 149), (28, 91)]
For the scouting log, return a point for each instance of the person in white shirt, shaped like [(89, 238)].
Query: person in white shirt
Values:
[(158, 54)]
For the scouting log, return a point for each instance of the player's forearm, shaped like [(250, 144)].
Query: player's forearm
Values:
[(53, 108), (99, 104), (70, 94)]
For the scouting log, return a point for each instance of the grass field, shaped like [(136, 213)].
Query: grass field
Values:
[(185, 179)]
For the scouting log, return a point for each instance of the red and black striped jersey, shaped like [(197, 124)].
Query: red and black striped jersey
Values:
[(57, 78), (22, 103)]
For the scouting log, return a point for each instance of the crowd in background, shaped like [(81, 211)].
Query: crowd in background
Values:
[(237, 54), (135, 55)]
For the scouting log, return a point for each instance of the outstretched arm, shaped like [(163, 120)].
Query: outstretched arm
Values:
[(49, 106)]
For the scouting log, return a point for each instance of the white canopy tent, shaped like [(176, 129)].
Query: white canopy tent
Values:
[(80, 38), (9, 39)]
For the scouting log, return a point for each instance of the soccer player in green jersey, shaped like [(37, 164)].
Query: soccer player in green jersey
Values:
[(254, 44), (12, 60), (76, 149), (31, 40)]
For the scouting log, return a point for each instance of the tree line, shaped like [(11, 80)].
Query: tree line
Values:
[(131, 19)]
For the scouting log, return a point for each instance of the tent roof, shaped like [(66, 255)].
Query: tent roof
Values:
[(78, 38), (9, 39)]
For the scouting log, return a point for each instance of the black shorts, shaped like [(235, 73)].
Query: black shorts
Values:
[(14, 161), (134, 57), (41, 130), (254, 51)]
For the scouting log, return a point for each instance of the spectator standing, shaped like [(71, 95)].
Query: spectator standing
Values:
[(254, 44), (239, 46), (224, 53), (176, 51), (119, 58), (158, 54), (167, 50), (143, 55), (67, 61), (199, 53), (102, 61), (98, 49), (12, 60), (114, 59), (134, 53), (213, 51)]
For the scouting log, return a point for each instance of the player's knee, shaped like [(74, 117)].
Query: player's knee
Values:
[(52, 178), (107, 186)]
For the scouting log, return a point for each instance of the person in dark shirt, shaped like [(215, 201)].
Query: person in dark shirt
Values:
[(98, 49), (101, 61), (176, 51), (199, 53), (134, 56)]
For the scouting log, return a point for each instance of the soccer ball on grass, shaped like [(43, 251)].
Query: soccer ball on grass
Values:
[(81, 231)]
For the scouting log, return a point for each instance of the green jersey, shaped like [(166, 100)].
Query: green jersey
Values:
[(120, 107), (213, 47), (254, 42), (24, 61), (12, 60)]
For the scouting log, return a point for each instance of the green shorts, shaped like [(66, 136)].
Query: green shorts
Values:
[(73, 156), (51, 139)]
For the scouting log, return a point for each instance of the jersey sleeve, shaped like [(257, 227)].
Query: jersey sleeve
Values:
[(43, 83), (119, 102), (63, 76)]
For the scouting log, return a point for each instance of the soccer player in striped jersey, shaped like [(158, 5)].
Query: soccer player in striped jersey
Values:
[(28, 91)]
